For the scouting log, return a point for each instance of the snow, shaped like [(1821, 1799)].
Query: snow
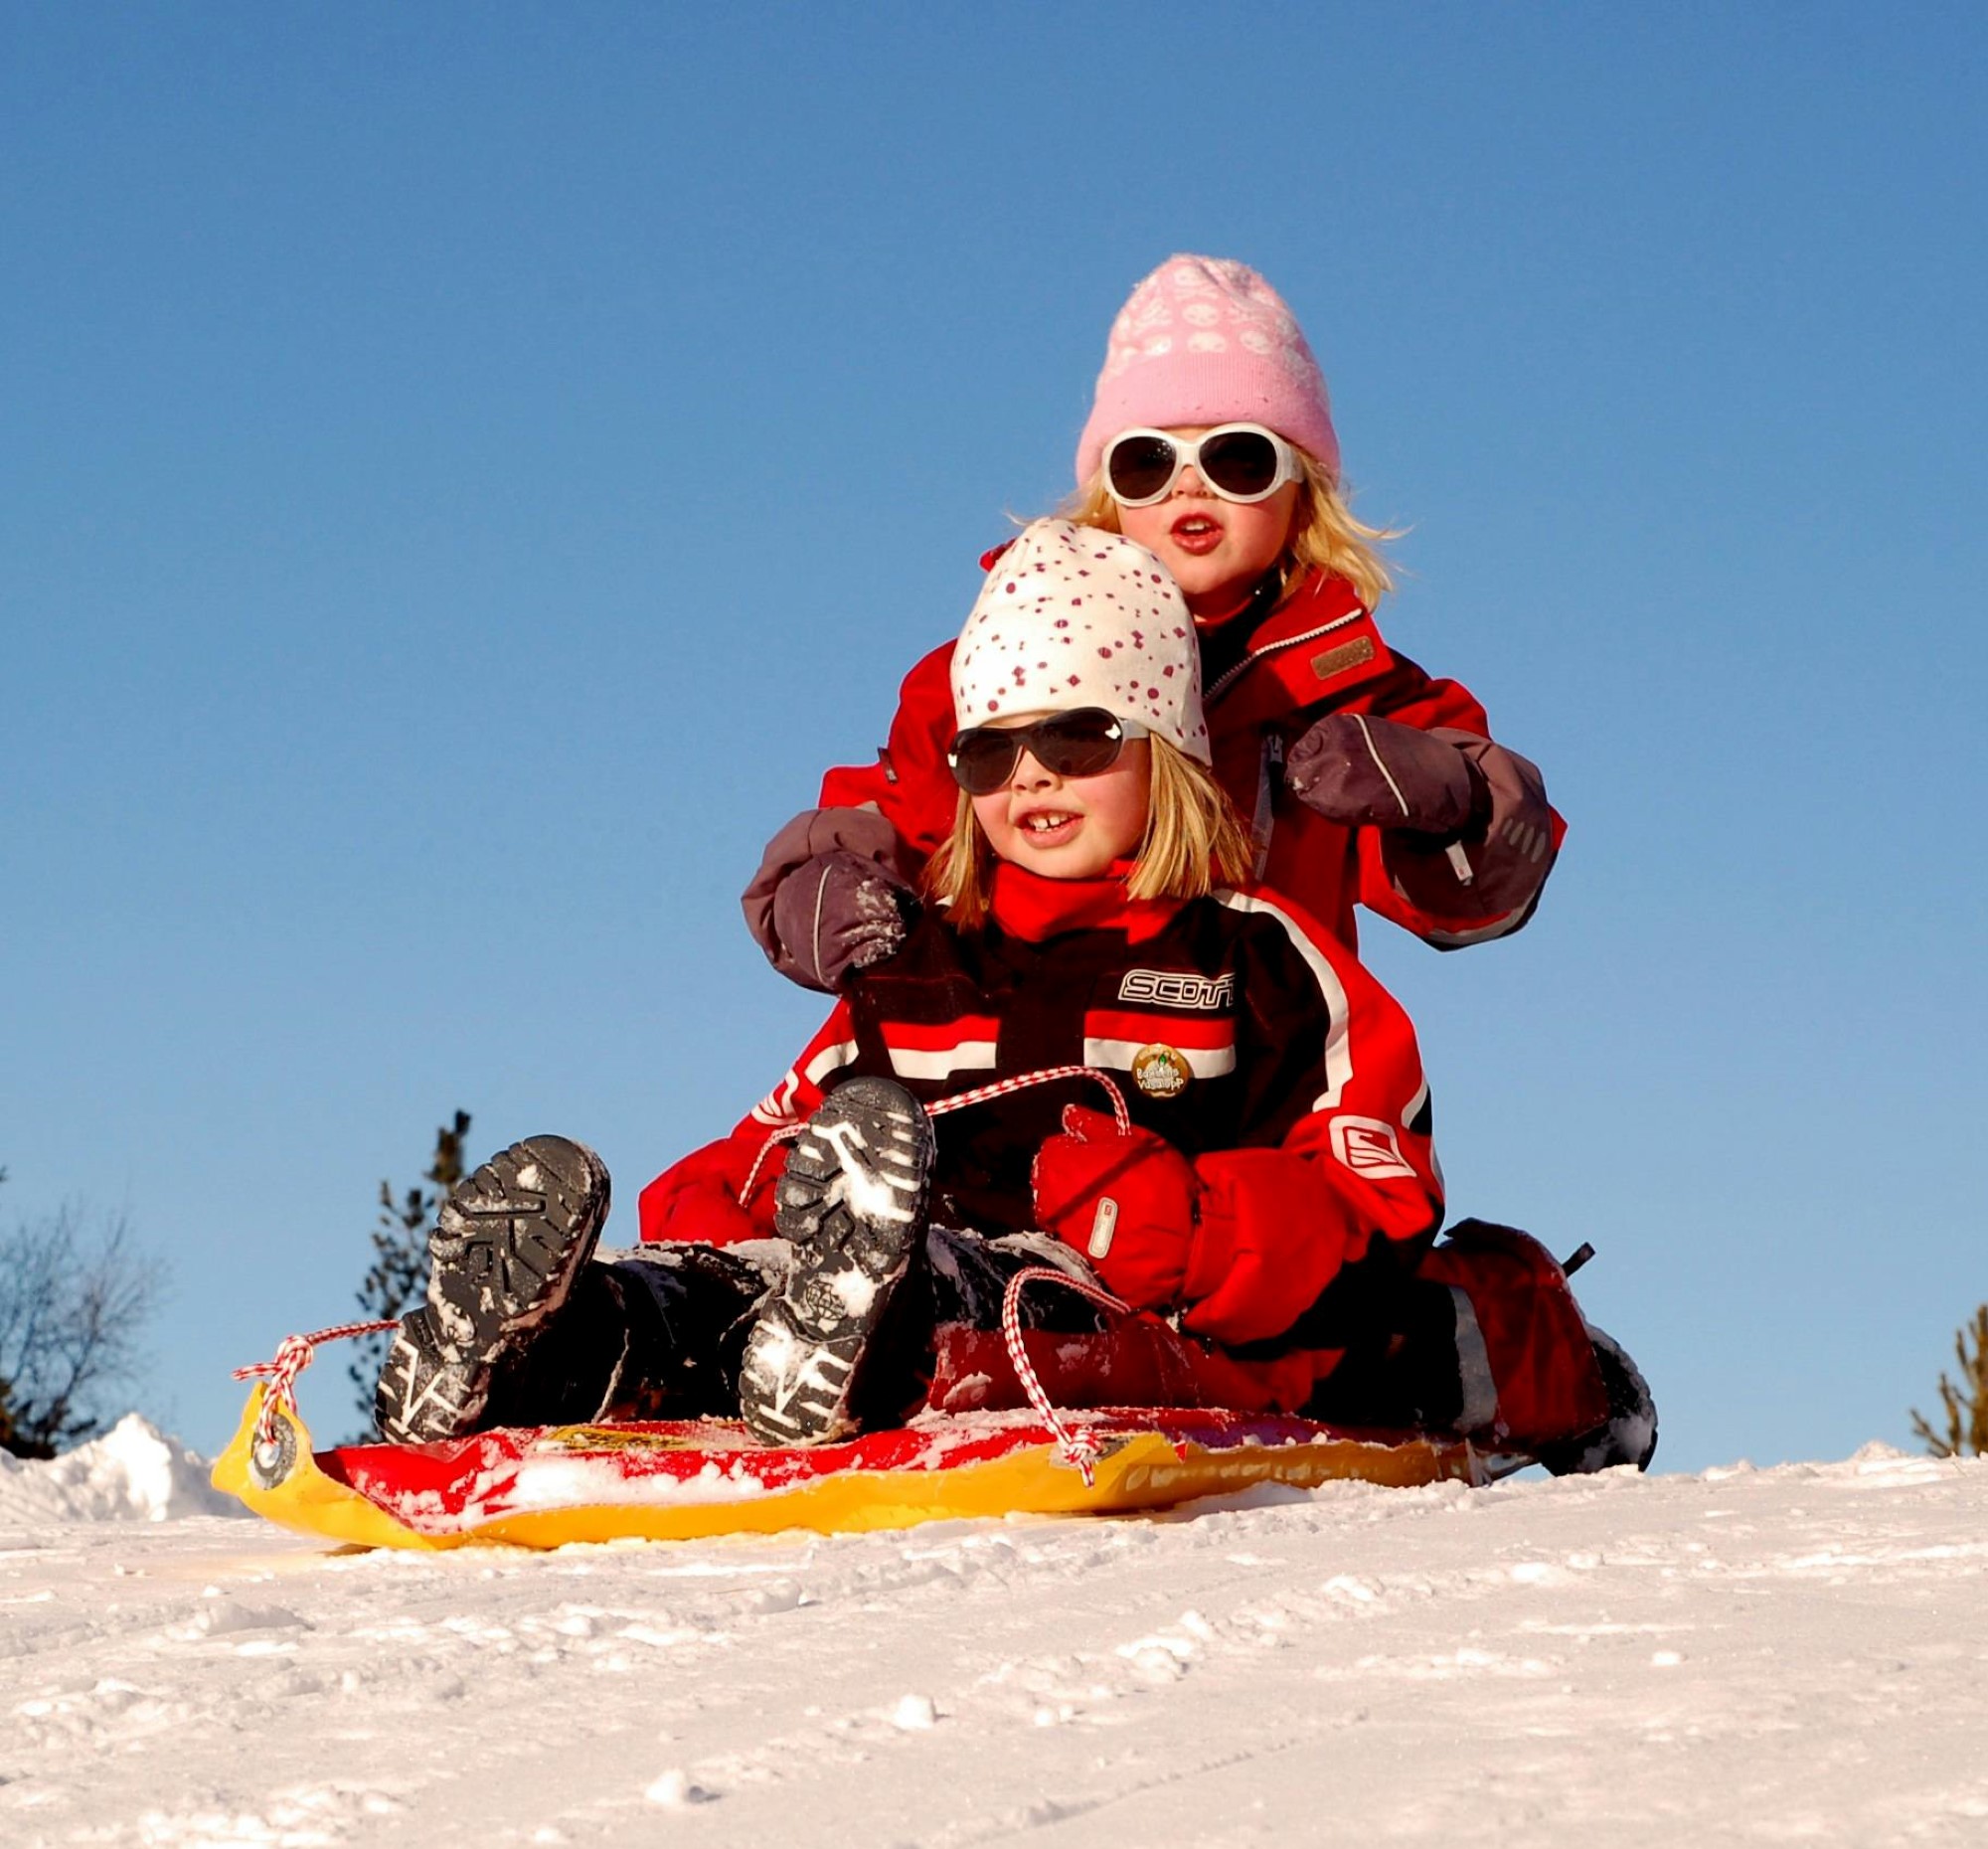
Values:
[(572, 1482), (1790, 1654), (132, 1473)]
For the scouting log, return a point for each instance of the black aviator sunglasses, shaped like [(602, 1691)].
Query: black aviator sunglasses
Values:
[(1082, 742)]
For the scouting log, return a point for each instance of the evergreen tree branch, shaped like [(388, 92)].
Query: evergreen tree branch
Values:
[(1963, 1399), (397, 1280)]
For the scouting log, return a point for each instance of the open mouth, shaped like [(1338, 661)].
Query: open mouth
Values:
[(1195, 533), (1049, 825)]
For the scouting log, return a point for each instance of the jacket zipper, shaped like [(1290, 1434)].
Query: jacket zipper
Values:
[(1248, 661), (1270, 765)]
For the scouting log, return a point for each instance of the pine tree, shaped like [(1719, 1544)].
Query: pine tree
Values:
[(1966, 1402), (399, 1274)]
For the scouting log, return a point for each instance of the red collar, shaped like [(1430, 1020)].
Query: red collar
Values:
[(1318, 644), (1025, 905)]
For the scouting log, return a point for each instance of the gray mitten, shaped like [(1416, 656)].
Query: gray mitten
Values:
[(1370, 772), (839, 913), (831, 896)]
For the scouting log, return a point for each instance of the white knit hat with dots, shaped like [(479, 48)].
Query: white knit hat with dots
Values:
[(1072, 617)]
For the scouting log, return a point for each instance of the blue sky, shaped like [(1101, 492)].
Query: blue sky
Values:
[(464, 471)]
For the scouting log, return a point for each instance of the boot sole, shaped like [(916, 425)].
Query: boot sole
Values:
[(853, 1202), (506, 1248), (509, 1238)]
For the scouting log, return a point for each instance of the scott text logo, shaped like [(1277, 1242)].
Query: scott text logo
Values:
[(1178, 989)]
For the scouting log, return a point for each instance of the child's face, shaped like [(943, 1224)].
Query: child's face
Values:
[(1217, 549), (1069, 828)]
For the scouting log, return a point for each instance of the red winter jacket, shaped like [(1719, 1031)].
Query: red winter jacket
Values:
[(1317, 652), (1305, 1117)]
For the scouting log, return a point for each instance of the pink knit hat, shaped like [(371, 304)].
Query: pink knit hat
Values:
[(1072, 617), (1205, 340)]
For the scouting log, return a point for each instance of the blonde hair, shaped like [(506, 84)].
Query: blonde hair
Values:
[(1193, 841), (1325, 534)]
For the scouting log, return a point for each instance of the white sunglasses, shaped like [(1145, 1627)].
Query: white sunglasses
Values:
[(1239, 461)]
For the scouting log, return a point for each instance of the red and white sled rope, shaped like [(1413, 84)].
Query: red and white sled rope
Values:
[(1001, 1088), (979, 1095), (773, 1143), (1078, 1444), (294, 1354)]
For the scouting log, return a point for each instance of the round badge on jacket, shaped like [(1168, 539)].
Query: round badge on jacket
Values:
[(1160, 1071)]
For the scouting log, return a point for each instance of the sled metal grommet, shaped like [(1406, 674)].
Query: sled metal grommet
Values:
[(273, 1453)]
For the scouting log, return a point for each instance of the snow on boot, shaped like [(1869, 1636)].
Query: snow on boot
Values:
[(426, 1391), (853, 1202), (506, 1248), (1631, 1435)]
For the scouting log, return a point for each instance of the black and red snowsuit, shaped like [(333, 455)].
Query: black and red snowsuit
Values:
[(1290, 1080), (1285, 1260), (1301, 1273)]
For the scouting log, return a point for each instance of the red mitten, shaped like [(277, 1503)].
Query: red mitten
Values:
[(1125, 1201)]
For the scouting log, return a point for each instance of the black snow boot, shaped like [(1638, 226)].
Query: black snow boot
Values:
[(853, 1204), (507, 1245), (1627, 1436)]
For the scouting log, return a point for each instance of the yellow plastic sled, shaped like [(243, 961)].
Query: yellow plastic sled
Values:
[(689, 1480)]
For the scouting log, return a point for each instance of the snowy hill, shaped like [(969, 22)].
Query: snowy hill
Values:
[(1790, 1654), (132, 1472)]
